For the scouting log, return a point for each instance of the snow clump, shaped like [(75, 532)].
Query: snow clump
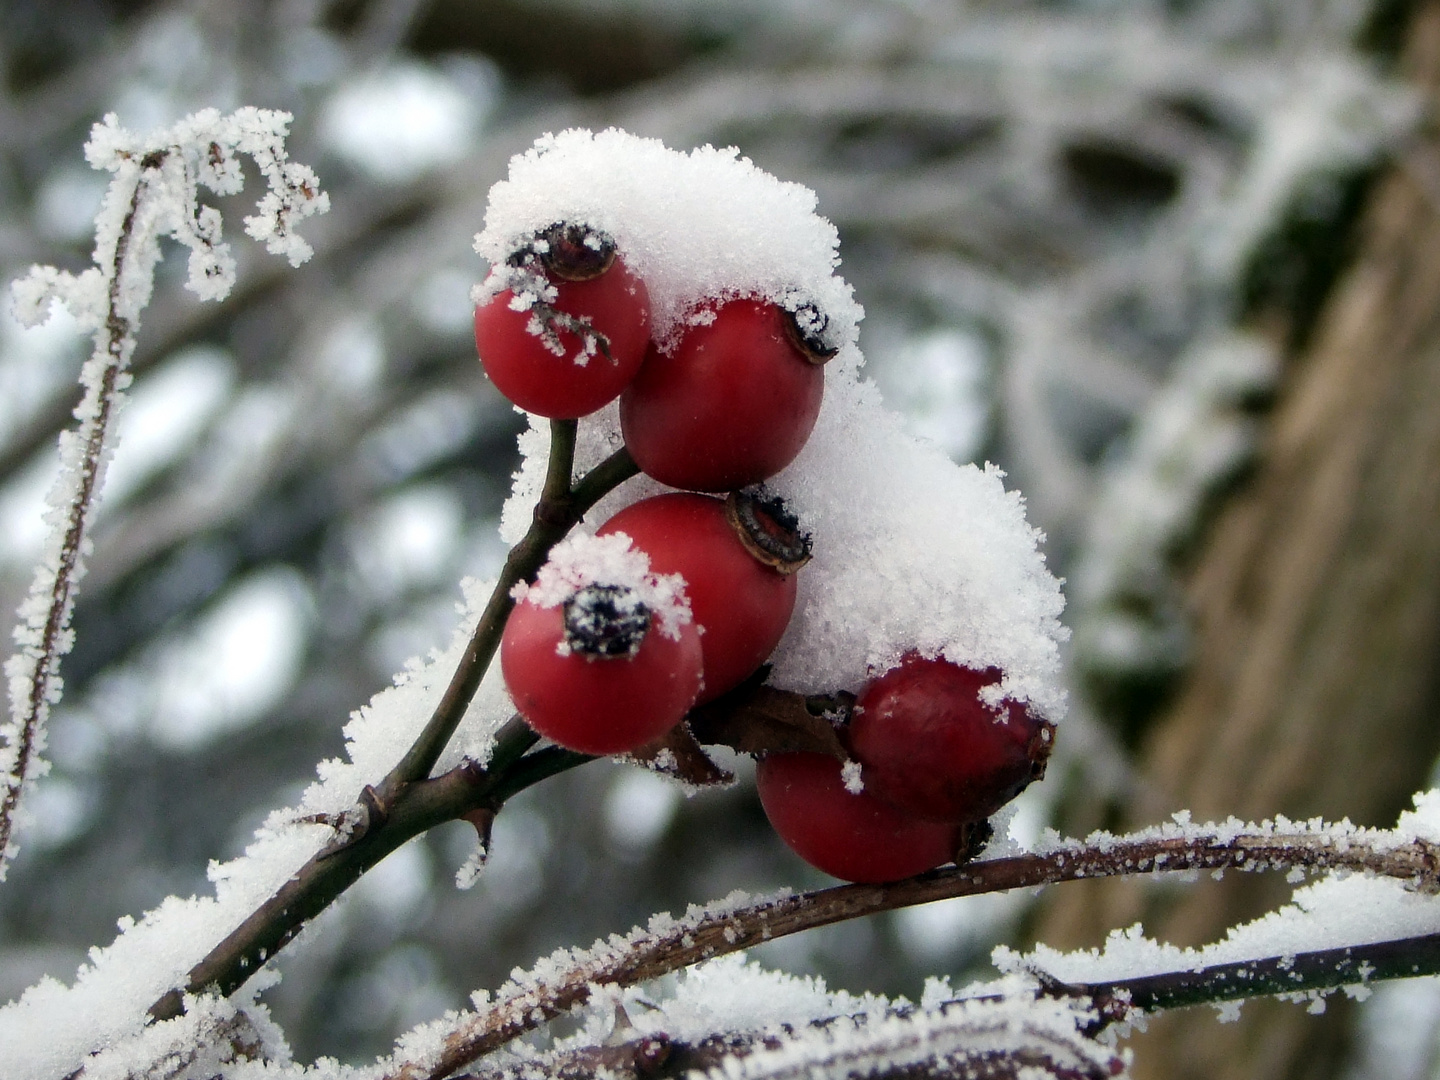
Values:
[(913, 553)]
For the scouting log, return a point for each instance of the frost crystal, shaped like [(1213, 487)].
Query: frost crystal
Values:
[(154, 194)]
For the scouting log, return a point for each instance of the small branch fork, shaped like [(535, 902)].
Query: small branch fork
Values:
[(408, 801), (676, 944)]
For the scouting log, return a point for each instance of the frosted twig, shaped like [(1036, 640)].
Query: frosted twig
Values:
[(155, 193), (991, 1038), (1303, 974), (668, 944)]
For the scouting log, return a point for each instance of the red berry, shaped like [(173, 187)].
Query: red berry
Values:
[(930, 745), (855, 836), (565, 357), (742, 597), (598, 666), (732, 405)]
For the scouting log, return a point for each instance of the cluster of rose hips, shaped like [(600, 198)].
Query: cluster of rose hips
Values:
[(605, 655)]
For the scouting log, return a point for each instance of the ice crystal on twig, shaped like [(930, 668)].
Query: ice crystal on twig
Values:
[(155, 193)]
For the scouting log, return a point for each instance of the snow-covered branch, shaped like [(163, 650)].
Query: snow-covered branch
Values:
[(569, 978), (1021, 1034), (154, 194)]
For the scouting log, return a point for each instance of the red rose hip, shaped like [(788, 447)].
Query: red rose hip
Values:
[(851, 835), (733, 404), (601, 667), (741, 593), (566, 356), (929, 744)]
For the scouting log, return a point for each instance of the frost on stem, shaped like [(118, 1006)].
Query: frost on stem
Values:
[(708, 1027), (1012, 1035), (155, 193)]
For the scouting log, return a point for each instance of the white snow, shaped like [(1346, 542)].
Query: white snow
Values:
[(1341, 909), (698, 227), (912, 552), (585, 560)]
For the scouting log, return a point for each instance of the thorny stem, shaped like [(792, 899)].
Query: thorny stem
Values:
[(408, 801), (422, 806), (47, 653), (688, 941)]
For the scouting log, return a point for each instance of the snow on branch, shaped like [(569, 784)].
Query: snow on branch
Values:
[(1018, 1032), (1017, 1035), (1407, 855), (155, 193)]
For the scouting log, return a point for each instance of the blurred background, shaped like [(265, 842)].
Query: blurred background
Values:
[(1162, 260)]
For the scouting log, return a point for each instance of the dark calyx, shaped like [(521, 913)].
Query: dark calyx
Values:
[(807, 326), (606, 620), (768, 529), (569, 252)]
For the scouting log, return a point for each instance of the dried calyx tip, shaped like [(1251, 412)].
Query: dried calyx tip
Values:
[(1039, 748), (768, 529), (569, 252), (606, 620), (807, 326)]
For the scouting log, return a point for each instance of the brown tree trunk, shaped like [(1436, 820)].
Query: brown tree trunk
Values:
[(1317, 613)]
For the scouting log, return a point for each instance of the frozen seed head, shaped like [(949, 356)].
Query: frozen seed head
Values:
[(606, 620), (807, 326), (768, 529)]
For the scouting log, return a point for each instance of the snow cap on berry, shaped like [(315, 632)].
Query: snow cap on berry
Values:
[(583, 561), (698, 228), (913, 552)]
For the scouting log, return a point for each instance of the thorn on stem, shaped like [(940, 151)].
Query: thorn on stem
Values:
[(483, 818), (357, 822)]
